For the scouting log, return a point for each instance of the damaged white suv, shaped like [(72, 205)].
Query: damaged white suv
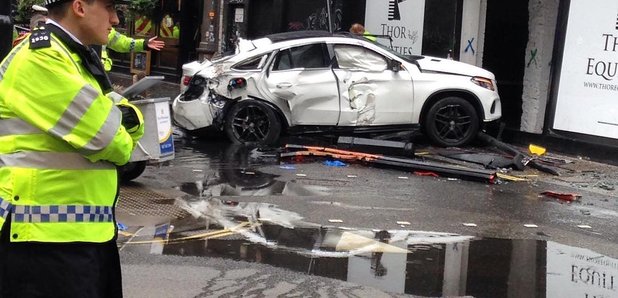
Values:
[(315, 81)]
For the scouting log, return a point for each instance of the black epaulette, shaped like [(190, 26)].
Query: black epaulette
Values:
[(40, 38)]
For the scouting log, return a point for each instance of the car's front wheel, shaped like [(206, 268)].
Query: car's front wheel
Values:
[(252, 122), (451, 122)]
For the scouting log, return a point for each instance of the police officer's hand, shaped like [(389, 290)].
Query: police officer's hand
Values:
[(132, 119), (155, 44)]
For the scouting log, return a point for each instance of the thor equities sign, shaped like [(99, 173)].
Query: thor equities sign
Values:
[(402, 20), (587, 99), (579, 272)]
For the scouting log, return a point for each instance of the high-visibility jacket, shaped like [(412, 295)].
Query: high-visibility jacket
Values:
[(369, 36), (60, 141), (121, 44)]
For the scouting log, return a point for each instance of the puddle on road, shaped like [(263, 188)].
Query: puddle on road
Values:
[(400, 261), (231, 171), (239, 182)]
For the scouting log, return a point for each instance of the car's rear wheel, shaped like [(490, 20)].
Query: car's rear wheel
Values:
[(252, 122), (131, 170), (451, 122)]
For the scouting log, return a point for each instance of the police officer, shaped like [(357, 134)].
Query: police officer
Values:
[(62, 134), (124, 44)]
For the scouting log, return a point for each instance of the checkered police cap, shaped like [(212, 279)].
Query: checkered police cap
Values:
[(49, 3)]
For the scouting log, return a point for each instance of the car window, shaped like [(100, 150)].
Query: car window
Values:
[(359, 58), (308, 57), (251, 63)]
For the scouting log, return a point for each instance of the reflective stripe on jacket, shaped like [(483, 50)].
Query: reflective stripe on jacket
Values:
[(60, 139)]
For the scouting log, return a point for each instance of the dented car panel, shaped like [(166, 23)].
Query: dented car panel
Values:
[(339, 81), (310, 96)]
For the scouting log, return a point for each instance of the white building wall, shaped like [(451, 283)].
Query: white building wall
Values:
[(472, 32), (542, 20)]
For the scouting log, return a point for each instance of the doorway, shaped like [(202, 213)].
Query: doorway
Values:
[(506, 37)]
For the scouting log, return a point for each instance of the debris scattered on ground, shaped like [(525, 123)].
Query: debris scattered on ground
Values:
[(430, 174), (487, 160), (294, 151), (606, 186), (376, 146), (121, 226), (511, 177), (334, 163), (520, 160), (536, 150), (568, 197)]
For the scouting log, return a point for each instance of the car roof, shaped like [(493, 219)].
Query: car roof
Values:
[(286, 36)]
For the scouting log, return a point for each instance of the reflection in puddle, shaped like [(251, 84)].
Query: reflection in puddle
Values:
[(399, 261), (232, 172), (250, 183)]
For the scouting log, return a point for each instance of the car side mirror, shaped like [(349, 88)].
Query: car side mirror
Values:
[(394, 65)]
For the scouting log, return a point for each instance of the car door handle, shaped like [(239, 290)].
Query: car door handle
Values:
[(284, 85)]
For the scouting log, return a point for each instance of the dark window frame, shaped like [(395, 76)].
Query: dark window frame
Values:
[(289, 53)]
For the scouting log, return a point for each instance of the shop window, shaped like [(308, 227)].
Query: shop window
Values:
[(168, 30)]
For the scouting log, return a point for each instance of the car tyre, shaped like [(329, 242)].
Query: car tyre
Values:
[(251, 122), (131, 171), (451, 122)]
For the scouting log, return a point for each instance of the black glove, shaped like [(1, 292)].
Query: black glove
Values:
[(129, 117)]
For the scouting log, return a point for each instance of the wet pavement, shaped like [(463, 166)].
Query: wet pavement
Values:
[(384, 229)]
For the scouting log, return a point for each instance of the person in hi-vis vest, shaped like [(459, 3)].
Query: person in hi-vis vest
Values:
[(169, 28), (63, 132)]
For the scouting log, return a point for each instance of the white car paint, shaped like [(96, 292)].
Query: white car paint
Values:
[(338, 96)]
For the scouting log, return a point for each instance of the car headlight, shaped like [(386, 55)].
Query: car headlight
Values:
[(484, 82)]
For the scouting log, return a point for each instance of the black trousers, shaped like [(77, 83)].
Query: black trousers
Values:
[(34, 269)]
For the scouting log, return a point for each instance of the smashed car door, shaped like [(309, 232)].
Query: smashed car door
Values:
[(371, 92), (301, 76)]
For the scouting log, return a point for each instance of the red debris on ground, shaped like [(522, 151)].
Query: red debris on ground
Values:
[(568, 197)]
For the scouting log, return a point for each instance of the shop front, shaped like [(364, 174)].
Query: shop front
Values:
[(176, 22)]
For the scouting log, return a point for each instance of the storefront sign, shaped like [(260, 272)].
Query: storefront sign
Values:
[(579, 272), (402, 20), (587, 100)]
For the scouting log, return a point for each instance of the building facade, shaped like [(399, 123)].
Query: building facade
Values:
[(526, 44)]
